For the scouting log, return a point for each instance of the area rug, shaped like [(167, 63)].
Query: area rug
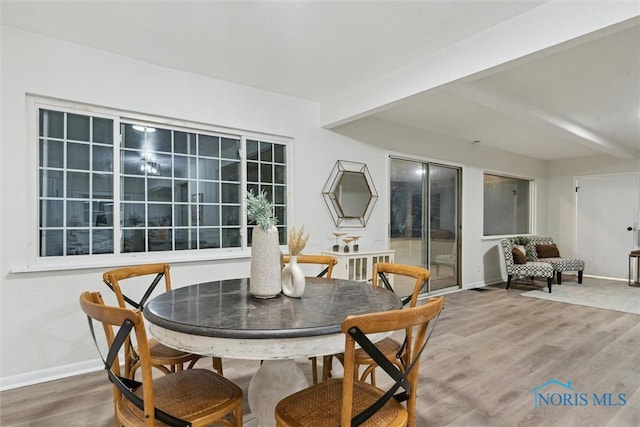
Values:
[(611, 296)]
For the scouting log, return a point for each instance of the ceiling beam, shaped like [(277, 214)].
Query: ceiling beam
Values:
[(548, 25), (543, 117)]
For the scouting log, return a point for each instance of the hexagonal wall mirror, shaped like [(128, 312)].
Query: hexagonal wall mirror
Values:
[(350, 194)]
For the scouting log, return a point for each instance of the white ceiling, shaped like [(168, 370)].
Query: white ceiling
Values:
[(572, 99)]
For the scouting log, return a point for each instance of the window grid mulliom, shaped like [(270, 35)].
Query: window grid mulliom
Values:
[(267, 171), (179, 189), (75, 184)]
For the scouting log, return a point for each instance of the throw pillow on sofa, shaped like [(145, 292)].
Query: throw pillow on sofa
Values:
[(519, 254), (547, 251)]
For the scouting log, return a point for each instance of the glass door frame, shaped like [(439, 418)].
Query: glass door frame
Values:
[(451, 257)]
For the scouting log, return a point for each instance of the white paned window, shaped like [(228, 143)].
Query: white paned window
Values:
[(267, 171), (507, 205), (114, 185)]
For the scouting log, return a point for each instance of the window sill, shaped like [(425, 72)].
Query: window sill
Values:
[(505, 236), (97, 261)]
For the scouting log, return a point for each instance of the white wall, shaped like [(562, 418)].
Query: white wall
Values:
[(481, 261), (43, 331), (562, 174)]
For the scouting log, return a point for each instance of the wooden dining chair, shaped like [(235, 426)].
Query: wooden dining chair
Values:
[(192, 397), (163, 358), (392, 349), (328, 262), (350, 402)]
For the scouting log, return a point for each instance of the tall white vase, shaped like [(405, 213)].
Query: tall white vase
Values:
[(293, 279), (264, 281)]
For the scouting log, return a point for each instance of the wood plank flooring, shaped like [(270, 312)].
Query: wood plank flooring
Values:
[(489, 351)]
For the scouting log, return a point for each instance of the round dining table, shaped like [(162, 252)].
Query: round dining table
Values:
[(223, 319)]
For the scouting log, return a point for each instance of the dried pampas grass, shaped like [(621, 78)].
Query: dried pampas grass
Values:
[(297, 240)]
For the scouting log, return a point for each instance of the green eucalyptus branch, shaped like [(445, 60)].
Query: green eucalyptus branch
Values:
[(260, 210)]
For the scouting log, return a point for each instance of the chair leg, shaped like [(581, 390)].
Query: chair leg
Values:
[(237, 417), (509, 276), (217, 364), (549, 283), (369, 371), (327, 364), (314, 369), (559, 273), (580, 276)]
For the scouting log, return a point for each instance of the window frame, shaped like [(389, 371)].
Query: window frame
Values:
[(36, 262), (531, 223)]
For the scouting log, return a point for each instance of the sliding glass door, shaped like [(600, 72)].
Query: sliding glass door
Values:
[(424, 221)]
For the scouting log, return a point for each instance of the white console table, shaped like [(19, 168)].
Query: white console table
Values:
[(358, 265)]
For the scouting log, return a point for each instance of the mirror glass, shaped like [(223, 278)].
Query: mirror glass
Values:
[(353, 194), (350, 194)]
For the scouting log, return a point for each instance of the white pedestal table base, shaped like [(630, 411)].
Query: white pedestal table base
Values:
[(274, 380)]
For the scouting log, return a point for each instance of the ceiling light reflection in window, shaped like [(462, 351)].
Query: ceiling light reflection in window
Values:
[(143, 128)]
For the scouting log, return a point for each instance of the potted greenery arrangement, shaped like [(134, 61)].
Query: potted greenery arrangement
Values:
[(265, 281)]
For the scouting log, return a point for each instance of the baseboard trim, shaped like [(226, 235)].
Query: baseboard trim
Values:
[(619, 279), (481, 284), (50, 374)]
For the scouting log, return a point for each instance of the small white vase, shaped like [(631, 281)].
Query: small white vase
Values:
[(264, 281), (293, 281)]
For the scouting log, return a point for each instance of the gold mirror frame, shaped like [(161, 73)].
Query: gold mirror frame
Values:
[(350, 194)]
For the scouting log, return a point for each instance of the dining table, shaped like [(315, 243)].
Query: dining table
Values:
[(223, 319)]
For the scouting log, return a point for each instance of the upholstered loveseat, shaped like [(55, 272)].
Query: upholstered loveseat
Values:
[(542, 248), (526, 268)]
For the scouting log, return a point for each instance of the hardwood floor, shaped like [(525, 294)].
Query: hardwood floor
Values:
[(490, 349)]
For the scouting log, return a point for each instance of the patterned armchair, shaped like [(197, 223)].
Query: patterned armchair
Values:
[(560, 264), (528, 269)]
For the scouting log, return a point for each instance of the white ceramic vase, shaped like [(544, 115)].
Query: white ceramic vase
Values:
[(293, 279), (265, 278)]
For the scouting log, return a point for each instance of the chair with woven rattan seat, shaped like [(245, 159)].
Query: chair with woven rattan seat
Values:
[(163, 358), (362, 403), (328, 262), (192, 397), (391, 348)]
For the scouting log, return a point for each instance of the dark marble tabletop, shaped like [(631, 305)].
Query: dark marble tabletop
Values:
[(226, 309)]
